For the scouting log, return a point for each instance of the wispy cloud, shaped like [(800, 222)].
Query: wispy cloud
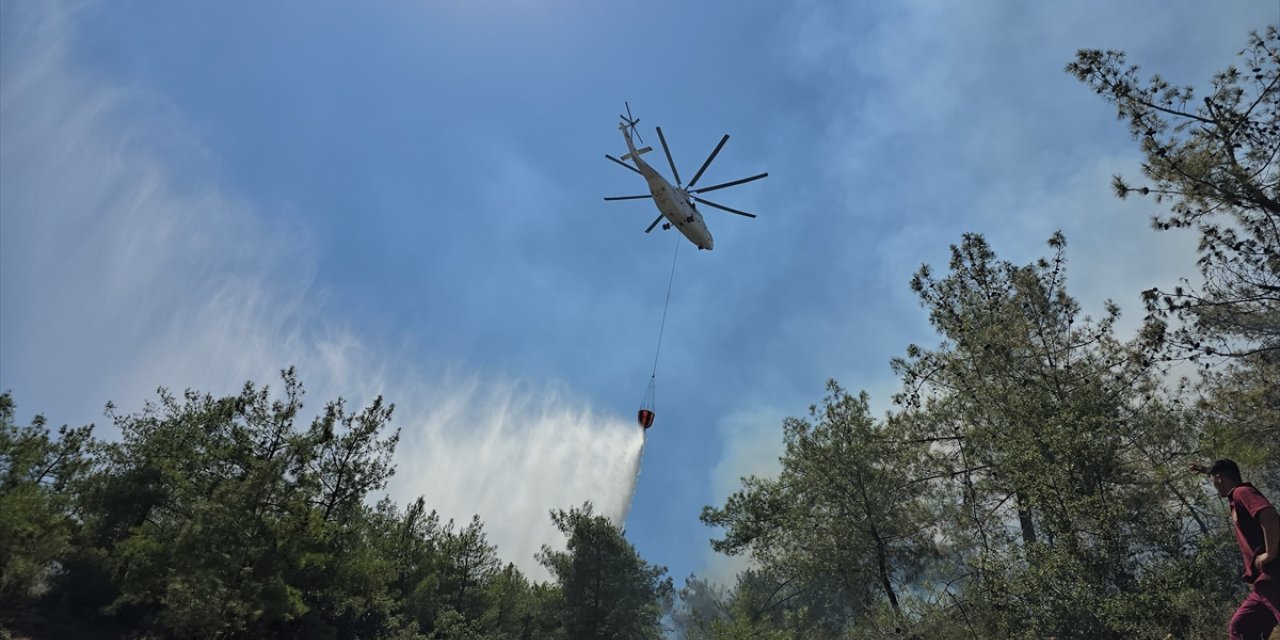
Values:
[(124, 265), (123, 268)]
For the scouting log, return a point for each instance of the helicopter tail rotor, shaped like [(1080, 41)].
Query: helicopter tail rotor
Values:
[(631, 122)]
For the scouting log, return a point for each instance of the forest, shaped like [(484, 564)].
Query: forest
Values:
[(1030, 481)]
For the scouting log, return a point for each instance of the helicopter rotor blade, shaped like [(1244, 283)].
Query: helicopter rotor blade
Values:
[(723, 208), (653, 224), (709, 159), (629, 197), (666, 150), (730, 184), (632, 122), (622, 163)]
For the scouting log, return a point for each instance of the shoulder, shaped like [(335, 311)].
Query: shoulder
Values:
[(1250, 499)]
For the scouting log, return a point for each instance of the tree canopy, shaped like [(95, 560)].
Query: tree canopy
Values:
[(222, 517)]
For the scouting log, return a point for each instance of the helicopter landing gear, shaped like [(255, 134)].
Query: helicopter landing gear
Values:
[(666, 225)]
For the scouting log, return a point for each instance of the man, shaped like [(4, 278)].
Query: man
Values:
[(1257, 529)]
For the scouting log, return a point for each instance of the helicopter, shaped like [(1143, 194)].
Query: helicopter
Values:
[(676, 203)]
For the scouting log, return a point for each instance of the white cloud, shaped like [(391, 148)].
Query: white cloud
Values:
[(125, 266)]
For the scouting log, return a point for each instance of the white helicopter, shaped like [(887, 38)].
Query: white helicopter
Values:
[(675, 202)]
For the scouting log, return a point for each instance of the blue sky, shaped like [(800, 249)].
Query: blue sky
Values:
[(405, 198)]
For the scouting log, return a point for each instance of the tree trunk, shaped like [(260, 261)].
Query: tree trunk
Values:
[(1024, 519), (882, 564)]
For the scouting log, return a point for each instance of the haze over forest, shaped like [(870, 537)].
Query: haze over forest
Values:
[(1014, 270)]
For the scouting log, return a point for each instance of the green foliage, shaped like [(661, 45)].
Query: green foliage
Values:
[(1030, 484), (452, 625), (469, 564), (221, 517), (36, 523), (1060, 454), (1240, 410), (520, 609), (211, 516), (843, 513), (218, 515), (1214, 160), (698, 607), (608, 590)]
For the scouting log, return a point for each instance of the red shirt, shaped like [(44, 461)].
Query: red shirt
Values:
[(1246, 504)]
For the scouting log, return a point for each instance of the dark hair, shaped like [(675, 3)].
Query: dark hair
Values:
[(1227, 469)]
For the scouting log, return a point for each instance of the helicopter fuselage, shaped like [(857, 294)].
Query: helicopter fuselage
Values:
[(673, 202)]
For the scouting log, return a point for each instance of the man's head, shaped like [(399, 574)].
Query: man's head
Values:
[(1226, 475)]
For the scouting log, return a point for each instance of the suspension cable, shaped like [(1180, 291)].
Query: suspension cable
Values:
[(665, 306)]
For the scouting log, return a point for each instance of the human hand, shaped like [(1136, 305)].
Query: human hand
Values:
[(1261, 559), (1198, 468)]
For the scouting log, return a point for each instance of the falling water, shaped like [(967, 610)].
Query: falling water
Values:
[(621, 520), (513, 453)]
